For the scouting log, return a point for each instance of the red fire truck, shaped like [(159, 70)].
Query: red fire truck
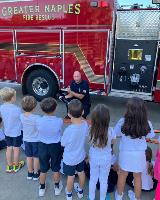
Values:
[(117, 50)]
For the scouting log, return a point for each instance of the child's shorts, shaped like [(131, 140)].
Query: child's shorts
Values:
[(50, 156), (71, 170), (31, 149), (13, 141)]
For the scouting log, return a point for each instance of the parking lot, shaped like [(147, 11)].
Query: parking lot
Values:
[(17, 187)]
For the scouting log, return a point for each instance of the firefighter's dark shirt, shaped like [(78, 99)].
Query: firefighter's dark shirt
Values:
[(81, 88)]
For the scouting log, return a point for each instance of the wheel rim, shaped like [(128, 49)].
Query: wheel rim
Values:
[(40, 86)]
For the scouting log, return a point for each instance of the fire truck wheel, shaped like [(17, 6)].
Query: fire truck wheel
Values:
[(41, 84)]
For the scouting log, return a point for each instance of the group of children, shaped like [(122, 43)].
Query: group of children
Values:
[(45, 145)]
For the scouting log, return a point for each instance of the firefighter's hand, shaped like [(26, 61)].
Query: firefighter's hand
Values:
[(68, 89)]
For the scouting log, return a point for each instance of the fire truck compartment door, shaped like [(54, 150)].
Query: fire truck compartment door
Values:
[(38, 42), (87, 51), (134, 66), (7, 64)]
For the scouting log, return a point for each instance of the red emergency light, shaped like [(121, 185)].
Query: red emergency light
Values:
[(103, 4), (99, 4)]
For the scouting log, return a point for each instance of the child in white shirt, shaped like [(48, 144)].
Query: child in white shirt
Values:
[(133, 129), (100, 153), (73, 140), (30, 136), (12, 129), (49, 149)]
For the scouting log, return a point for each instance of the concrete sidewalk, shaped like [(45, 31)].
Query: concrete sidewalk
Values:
[(17, 187)]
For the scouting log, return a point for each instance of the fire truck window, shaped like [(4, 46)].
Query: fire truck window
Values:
[(135, 54)]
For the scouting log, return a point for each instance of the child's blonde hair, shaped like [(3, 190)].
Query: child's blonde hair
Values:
[(28, 103), (7, 93)]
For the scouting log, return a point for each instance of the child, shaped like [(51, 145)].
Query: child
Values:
[(100, 153), (157, 173), (133, 129), (148, 183), (73, 140), (50, 153), (30, 136), (113, 176), (2, 137), (12, 128)]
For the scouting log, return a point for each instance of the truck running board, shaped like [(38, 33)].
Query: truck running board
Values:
[(130, 95)]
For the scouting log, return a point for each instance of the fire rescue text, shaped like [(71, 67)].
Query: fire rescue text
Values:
[(49, 9)]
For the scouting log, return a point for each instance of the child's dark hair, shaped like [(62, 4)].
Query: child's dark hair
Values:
[(148, 153), (48, 105), (28, 103), (75, 108), (100, 119), (135, 119), (1, 120)]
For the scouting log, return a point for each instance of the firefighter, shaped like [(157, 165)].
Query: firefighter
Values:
[(79, 89)]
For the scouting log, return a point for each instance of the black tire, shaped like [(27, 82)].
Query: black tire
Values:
[(48, 86)]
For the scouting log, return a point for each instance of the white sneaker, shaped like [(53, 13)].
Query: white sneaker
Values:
[(42, 191), (117, 196), (68, 195), (57, 190), (131, 195), (79, 193)]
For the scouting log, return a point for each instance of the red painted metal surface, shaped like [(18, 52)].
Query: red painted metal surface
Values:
[(55, 13), (89, 47), (7, 69), (35, 32)]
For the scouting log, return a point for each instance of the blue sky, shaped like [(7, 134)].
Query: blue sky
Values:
[(130, 2)]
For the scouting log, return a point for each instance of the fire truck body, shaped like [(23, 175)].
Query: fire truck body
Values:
[(43, 42), (136, 53)]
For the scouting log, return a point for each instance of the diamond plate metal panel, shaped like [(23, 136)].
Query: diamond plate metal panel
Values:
[(142, 24)]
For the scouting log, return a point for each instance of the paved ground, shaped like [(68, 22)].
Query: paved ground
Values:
[(17, 187)]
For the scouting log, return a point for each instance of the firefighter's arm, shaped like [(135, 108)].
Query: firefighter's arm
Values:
[(68, 96), (77, 95)]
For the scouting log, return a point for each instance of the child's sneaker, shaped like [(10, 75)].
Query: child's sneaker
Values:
[(16, 168), (58, 188), (68, 195), (117, 196), (9, 169), (79, 192), (30, 176), (42, 190), (131, 195), (36, 176)]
